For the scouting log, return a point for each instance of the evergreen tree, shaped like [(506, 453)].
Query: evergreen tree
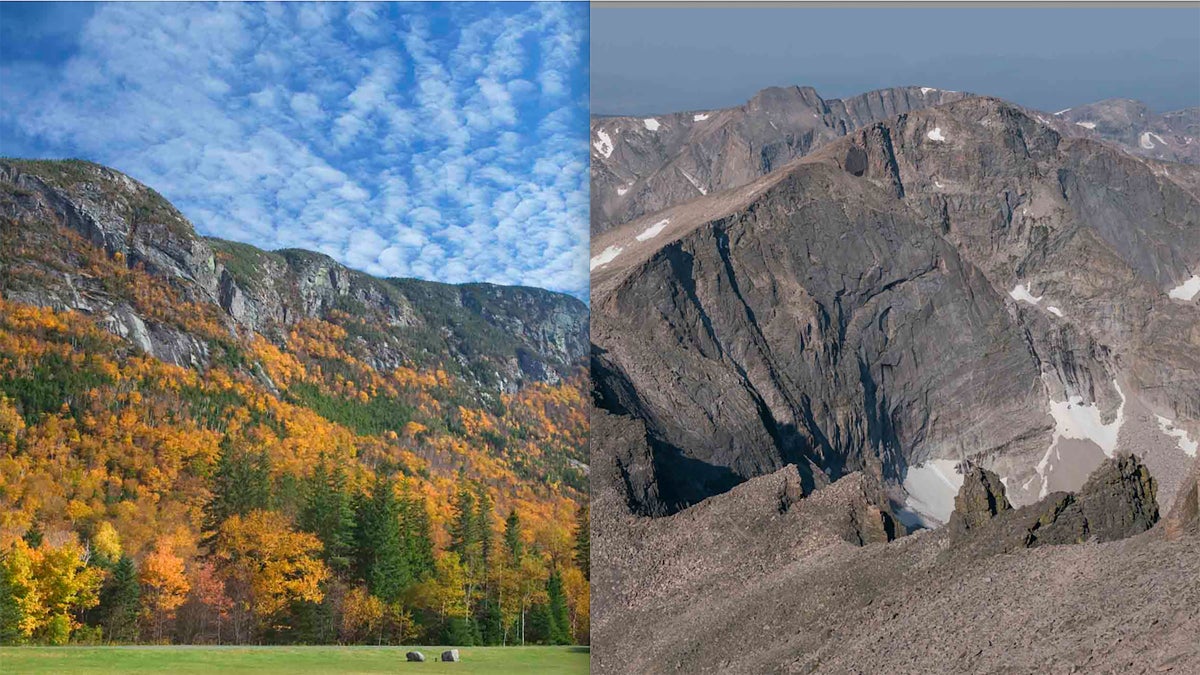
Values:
[(33, 536), (418, 535), (382, 558), (512, 535), (120, 601), (242, 484), (483, 523), (10, 611), (464, 535), (559, 629), (328, 512), (539, 628), (458, 632), (492, 628), (583, 540)]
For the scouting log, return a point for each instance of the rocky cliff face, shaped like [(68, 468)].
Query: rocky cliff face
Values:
[(499, 337), (962, 281)]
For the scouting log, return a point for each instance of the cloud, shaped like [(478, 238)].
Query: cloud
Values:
[(444, 141)]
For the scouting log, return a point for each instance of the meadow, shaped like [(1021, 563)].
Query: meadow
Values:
[(180, 660)]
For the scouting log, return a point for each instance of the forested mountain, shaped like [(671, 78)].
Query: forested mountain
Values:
[(201, 441)]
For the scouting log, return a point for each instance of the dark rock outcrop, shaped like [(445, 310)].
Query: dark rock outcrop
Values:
[(1119, 499), (1117, 502), (415, 657), (981, 498)]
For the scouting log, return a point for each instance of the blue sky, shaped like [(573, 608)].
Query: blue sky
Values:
[(653, 60), (441, 141)]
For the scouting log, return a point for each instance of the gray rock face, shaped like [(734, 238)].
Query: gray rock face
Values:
[(861, 303), (502, 337), (641, 165)]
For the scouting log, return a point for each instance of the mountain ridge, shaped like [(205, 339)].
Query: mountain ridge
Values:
[(265, 291), (676, 159)]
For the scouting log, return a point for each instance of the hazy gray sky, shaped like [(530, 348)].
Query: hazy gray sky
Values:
[(654, 60)]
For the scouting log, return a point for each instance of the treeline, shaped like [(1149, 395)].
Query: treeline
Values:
[(333, 564)]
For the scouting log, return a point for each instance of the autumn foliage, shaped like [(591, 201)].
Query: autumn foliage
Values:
[(145, 501)]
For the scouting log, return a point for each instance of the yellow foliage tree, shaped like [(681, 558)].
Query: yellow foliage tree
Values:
[(269, 564)]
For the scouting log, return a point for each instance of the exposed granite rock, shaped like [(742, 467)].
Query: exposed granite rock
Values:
[(500, 337)]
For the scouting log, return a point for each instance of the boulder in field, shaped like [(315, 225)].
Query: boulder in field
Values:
[(450, 655), (415, 656)]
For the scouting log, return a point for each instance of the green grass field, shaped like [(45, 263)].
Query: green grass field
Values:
[(179, 660)]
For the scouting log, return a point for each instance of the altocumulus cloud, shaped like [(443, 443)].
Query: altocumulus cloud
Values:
[(444, 141)]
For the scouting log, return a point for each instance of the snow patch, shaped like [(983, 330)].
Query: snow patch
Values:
[(622, 190), (1062, 111), (1054, 310), (1021, 293), (1086, 125), (654, 230), (1145, 142), (699, 117), (936, 135), (1187, 290), (695, 183), (651, 123), (931, 489), (1187, 445), (603, 144), (606, 256), (1074, 419), (926, 90)]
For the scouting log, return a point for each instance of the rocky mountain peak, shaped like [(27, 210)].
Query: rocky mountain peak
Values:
[(500, 337)]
